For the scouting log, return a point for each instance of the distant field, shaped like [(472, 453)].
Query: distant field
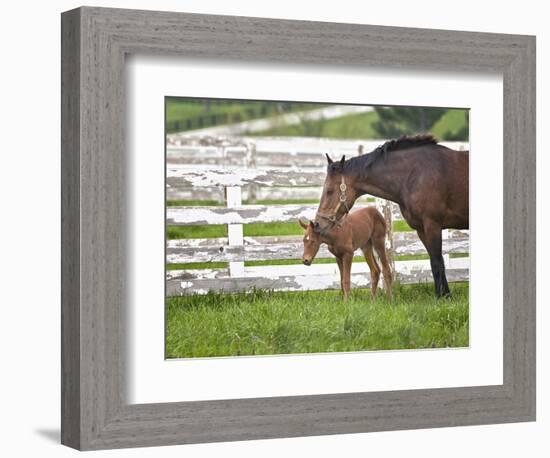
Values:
[(188, 114), (359, 126), (182, 113), (269, 323)]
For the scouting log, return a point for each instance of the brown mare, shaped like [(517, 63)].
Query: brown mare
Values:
[(364, 229), (428, 181)]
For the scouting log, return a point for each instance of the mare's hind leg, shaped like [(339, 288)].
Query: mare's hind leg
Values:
[(431, 237), (379, 242), (373, 267)]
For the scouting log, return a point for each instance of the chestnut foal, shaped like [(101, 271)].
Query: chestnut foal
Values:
[(365, 229)]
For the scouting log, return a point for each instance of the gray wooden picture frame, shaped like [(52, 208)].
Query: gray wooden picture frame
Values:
[(95, 413)]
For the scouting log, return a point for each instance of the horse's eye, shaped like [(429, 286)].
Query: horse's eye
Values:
[(330, 192)]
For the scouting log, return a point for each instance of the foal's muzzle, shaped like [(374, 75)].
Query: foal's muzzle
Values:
[(307, 262)]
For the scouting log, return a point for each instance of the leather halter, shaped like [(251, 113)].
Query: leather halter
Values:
[(332, 217)]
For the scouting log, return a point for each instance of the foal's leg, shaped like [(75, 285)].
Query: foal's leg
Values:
[(373, 267), (431, 237), (379, 243), (341, 269), (346, 274)]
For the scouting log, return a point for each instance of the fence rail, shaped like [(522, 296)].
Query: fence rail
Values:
[(197, 178), (245, 214), (291, 157), (179, 251), (284, 278)]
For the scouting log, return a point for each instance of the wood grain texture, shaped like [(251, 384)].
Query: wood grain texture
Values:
[(178, 252), (185, 178), (96, 414), (70, 230)]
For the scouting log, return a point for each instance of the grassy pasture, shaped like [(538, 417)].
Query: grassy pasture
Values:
[(270, 323)]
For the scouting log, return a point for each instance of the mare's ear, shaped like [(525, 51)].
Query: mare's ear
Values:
[(303, 223), (342, 161), (329, 160)]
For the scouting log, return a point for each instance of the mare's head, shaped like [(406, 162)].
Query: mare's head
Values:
[(312, 241), (338, 196)]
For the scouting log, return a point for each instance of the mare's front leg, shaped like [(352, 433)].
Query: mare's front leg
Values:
[(346, 274), (431, 237)]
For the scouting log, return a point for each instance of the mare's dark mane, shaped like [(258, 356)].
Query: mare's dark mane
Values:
[(360, 163)]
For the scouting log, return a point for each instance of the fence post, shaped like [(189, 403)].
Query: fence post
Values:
[(223, 155), (385, 207), (233, 198), (251, 164)]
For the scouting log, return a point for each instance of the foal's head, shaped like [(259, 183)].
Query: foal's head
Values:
[(338, 196), (312, 241)]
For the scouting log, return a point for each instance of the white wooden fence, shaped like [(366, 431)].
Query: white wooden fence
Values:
[(289, 154), (235, 249)]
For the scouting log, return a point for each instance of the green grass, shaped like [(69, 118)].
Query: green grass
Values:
[(220, 230), (259, 229), (196, 232), (182, 108), (401, 226), (193, 203), (268, 323), (250, 230)]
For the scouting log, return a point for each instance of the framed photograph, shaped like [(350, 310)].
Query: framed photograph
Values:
[(278, 228)]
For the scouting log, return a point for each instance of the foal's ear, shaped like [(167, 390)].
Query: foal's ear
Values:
[(342, 161), (303, 223), (329, 160)]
